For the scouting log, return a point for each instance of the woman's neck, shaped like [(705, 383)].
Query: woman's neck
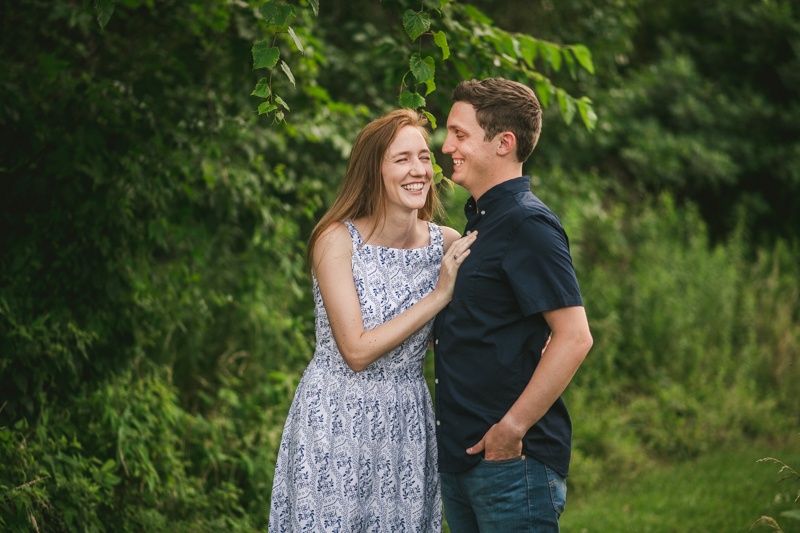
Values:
[(397, 230)]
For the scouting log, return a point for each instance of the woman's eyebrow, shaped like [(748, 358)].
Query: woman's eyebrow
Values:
[(407, 152)]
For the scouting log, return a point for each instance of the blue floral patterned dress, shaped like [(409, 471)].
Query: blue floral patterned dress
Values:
[(358, 452)]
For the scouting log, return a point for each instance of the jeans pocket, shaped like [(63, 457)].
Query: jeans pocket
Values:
[(558, 490), (516, 459)]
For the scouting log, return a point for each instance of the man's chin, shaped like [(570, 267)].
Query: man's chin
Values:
[(458, 178)]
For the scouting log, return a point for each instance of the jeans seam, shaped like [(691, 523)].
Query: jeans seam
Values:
[(528, 491), (459, 481), (550, 480)]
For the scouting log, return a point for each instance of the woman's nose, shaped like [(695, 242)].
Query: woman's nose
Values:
[(418, 167)]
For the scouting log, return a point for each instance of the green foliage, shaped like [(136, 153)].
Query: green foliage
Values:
[(696, 99), (127, 455), (467, 27), (416, 24), (155, 313), (264, 56)]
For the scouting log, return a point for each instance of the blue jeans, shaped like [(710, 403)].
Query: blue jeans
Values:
[(513, 495)]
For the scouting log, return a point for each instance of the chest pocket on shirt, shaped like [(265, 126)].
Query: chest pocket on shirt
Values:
[(467, 279)]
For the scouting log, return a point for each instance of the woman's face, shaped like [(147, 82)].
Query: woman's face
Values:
[(407, 170)]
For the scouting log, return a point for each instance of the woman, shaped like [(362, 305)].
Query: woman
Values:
[(358, 451)]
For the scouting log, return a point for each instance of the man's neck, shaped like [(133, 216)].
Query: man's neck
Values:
[(495, 178)]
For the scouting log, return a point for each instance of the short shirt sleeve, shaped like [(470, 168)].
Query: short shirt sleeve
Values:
[(539, 268)]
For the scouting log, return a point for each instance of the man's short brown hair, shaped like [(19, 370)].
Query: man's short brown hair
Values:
[(504, 105)]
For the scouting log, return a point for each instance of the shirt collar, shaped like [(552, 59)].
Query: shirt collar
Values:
[(498, 193)]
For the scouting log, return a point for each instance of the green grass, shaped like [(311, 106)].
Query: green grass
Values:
[(723, 491)]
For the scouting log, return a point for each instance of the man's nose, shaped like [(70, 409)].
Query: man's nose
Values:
[(448, 147)]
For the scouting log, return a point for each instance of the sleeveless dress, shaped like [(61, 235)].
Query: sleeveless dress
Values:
[(358, 452)]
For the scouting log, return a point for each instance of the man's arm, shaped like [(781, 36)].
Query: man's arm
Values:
[(568, 347)]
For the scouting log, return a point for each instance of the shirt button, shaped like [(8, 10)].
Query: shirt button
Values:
[(469, 231), (436, 381), (437, 341), (483, 212), (438, 423)]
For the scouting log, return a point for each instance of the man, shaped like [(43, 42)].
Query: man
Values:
[(504, 434)]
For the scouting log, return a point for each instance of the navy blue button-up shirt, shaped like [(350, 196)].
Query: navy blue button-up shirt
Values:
[(489, 339)]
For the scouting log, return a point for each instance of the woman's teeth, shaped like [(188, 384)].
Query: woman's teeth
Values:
[(413, 187)]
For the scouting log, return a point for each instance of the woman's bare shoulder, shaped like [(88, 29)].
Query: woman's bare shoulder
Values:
[(333, 241), (336, 232), (450, 236)]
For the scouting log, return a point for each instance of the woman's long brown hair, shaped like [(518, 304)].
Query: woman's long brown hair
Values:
[(362, 191)]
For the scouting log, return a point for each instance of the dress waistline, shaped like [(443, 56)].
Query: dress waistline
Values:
[(333, 363)]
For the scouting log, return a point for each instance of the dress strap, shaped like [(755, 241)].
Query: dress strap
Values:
[(437, 237), (354, 234)]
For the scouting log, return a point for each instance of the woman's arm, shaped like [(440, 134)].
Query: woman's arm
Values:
[(333, 270)]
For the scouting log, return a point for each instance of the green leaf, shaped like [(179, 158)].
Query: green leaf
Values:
[(314, 6), (474, 14), (266, 107), (509, 45), (262, 88), (422, 69), (416, 23), (433, 4), (286, 13), (104, 10), (544, 90), (570, 64), (441, 41), (530, 49), (567, 106), (444, 2), (280, 101), (279, 117), (297, 43), (587, 113), (431, 86), (275, 15), (433, 126), (584, 57), (792, 513), (264, 56), (288, 72), (553, 55), (269, 11), (411, 100)]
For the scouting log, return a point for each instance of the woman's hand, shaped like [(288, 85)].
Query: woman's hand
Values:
[(453, 257)]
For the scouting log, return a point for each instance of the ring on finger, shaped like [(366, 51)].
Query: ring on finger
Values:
[(455, 256)]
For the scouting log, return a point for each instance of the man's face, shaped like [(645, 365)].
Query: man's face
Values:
[(473, 156)]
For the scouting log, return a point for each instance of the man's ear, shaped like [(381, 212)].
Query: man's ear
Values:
[(508, 143)]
